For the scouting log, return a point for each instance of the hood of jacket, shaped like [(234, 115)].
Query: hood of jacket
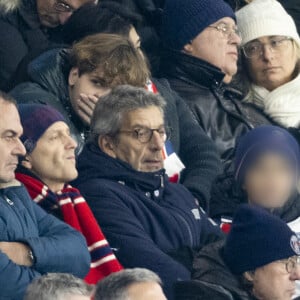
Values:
[(50, 70), (95, 164)]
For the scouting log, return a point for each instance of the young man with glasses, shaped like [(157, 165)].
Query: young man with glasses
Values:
[(151, 222), (202, 48), (27, 29)]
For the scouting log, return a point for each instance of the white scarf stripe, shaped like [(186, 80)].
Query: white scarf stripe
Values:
[(79, 200), (103, 261), (98, 245), (42, 195), (65, 201)]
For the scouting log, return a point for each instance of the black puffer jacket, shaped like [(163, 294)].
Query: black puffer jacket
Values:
[(216, 107), (22, 39), (227, 196), (49, 73)]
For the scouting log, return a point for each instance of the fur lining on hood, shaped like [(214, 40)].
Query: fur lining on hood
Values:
[(9, 5)]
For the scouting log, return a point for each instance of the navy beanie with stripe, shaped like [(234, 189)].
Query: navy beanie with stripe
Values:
[(256, 239), (262, 140)]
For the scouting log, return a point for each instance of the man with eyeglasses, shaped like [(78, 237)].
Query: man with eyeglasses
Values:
[(150, 222), (200, 59), (259, 261), (27, 28)]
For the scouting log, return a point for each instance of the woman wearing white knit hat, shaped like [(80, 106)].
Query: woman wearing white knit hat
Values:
[(270, 61)]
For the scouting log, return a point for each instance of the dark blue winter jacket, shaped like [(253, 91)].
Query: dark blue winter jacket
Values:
[(56, 246), (143, 215)]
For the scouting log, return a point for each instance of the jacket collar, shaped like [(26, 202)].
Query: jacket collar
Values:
[(14, 183), (95, 164), (28, 11), (182, 66)]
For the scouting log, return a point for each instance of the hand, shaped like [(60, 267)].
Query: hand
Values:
[(17, 252), (86, 105)]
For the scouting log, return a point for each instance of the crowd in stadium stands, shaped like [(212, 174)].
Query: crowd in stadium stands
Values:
[(149, 150)]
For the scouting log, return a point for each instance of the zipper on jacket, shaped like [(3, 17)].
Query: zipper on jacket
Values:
[(187, 227)]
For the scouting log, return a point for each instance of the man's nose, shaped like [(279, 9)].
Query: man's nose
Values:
[(235, 39), (157, 142), (63, 17), (71, 142), (19, 149), (295, 275)]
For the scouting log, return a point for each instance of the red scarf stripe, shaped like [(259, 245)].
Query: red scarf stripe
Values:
[(77, 214)]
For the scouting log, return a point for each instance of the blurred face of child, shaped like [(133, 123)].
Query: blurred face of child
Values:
[(270, 181)]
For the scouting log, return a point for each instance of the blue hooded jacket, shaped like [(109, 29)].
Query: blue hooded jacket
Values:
[(143, 215), (55, 245)]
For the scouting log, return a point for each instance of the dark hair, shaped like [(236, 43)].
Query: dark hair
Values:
[(7, 98), (105, 17), (112, 58)]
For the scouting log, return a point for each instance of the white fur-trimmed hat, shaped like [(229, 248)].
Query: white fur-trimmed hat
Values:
[(265, 18)]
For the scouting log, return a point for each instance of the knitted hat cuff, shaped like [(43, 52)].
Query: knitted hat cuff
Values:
[(247, 264), (254, 30)]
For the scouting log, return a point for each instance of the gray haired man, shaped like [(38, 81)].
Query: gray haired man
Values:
[(130, 284), (59, 286), (149, 220)]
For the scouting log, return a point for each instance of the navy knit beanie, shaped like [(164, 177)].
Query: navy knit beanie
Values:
[(183, 20), (262, 140), (36, 119), (256, 239)]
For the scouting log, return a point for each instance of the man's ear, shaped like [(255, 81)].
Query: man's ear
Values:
[(73, 76), (26, 162), (188, 48), (107, 145), (249, 276)]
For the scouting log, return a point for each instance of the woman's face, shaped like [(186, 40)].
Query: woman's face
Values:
[(274, 62)]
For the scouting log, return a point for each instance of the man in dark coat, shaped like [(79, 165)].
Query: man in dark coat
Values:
[(27, 28), (259, 260), (32, 242), (49, 75), (202, 40), (151, 222)]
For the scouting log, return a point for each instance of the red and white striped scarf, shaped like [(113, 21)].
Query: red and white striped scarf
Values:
[(76, 213)]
